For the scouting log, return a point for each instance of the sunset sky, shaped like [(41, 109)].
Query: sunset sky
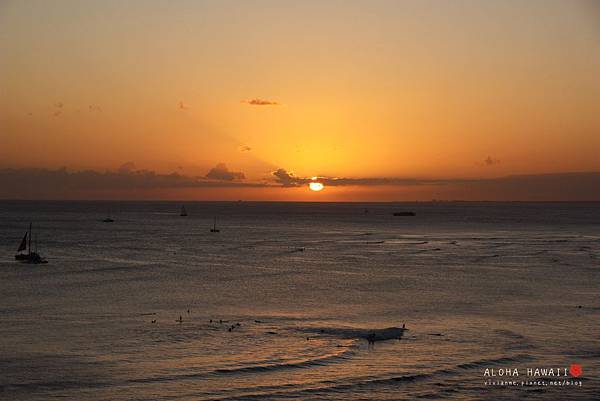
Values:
[(381, 100)]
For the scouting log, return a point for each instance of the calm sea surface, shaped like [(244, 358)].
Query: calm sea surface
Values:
[(479, 286)]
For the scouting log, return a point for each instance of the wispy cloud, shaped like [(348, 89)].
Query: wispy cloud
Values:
[(221, 173), (261, 102), (245, 148), (490, 161), (58, 109)]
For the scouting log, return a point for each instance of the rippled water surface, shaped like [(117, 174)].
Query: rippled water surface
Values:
[(489, 285)]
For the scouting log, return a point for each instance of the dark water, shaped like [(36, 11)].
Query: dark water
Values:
[(489, 285)]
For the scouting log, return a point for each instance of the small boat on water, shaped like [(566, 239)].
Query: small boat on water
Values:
[(183, 212), (108, 219), (32, 257), (404, 214), (214, 229)]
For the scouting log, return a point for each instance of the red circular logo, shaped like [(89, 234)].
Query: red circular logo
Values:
[(576, 370)]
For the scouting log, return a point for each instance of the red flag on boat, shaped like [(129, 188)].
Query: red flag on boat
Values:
[(23, 245)]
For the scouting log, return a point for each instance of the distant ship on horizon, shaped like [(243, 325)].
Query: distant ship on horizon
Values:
[(31, 256), (183, 212)]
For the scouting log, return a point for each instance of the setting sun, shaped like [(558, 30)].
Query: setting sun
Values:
[(316, 186)]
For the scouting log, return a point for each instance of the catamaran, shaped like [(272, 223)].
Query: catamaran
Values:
[(30, 256)]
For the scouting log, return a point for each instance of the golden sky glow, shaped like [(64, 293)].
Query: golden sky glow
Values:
[(352, 89)]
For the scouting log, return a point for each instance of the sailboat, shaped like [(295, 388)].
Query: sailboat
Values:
[(214, 229), (29, 257), (183, 211), (108, 219)]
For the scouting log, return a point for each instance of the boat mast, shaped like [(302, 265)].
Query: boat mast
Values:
[(29, 240)]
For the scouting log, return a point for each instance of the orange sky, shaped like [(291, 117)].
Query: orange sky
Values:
[(419, 89)]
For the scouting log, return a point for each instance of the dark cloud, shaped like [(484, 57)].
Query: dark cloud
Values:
[(335, 181), (126, 168), (582, 186), (261, 102), (222, 173), (37, 183), (245, 148), (562, 186), (288, 179)]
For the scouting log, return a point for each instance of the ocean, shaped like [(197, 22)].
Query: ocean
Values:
[(278, 304)]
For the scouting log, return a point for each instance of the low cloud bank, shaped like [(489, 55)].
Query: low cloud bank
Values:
[(222, 173), (63, 184), (584, 186), (288, 179), (40, 183)]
